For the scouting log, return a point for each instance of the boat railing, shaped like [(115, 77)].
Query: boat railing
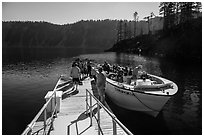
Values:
[(89, 111), (47, 122)]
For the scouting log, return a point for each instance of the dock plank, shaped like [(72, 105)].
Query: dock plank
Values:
[(72, 112)]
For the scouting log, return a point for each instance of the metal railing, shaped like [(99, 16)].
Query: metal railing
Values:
[(89, 110), (47, 123)]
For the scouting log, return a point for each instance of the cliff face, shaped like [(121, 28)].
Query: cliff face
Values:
[(99, 35)]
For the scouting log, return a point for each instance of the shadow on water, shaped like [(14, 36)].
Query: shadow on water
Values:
[(13, 55), (139, 123), (182, 108)]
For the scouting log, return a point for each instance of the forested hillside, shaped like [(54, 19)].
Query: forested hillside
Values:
[(90, 34), (99, 34), (179, 39)]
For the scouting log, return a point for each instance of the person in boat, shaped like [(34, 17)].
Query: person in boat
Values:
[(129, 71), (125, 71), (115, 68), (143, 75), (106, 67), (75, 74), (120, 76), (101, 83), (137, 72)]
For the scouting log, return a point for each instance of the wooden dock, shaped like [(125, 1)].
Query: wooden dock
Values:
[(72, 114)]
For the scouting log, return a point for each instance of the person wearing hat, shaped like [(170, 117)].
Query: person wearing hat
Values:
[(136, 71), (101, 83)]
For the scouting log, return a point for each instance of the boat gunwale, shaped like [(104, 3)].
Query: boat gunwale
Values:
[(137, 91)]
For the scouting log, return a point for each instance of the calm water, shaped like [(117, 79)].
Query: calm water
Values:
[(28, 74)]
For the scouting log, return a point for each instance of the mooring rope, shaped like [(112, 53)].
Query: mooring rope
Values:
[(143, 103)]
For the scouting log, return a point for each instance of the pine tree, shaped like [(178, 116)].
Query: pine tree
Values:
[(120, 31), (187, 9), (125, 30), (197, 8), (135, 20), (129, 30), (168, 10)]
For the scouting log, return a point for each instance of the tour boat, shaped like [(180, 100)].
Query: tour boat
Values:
[(143, 95)]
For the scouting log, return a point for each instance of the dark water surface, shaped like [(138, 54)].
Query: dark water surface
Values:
[(28, 74)]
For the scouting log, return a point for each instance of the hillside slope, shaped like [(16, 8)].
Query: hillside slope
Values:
[(84, 34), (99, 34), (184, 42)]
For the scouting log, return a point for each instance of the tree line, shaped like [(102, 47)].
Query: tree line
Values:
[(175, 13), (82, 34), (179, 38), (100, 34)]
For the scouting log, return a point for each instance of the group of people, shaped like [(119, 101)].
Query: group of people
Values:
[(135, 73), (82, 69)]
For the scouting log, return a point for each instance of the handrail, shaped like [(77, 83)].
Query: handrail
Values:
[(49, 123), (32, 123), (114, 118)]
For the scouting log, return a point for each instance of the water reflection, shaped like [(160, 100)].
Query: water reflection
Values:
[(13, 55), (180, 110), (140, 123), (26, 80)]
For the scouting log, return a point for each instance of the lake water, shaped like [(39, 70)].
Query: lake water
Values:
[(28, 74)]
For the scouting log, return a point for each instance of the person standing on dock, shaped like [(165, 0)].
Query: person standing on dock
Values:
[(75, 74), (101, 83)]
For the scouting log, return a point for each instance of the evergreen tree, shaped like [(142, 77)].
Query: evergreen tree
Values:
[(119, 31), (163, 11), (197, 8), (129, 30), (135, 20), (168, 10), (186, 11), (125, 30)]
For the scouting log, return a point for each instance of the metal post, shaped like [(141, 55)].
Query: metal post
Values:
[(68, 130), (86, 102), (52, 126), (91, 113), (51, 103), (29, 132), (55, 103), (98, 108), (114, 128), (45, 119), (30, 129)]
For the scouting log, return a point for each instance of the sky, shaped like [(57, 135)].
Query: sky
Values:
[(70, 12)]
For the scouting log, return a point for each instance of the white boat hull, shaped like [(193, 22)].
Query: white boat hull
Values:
[(150, 103)]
